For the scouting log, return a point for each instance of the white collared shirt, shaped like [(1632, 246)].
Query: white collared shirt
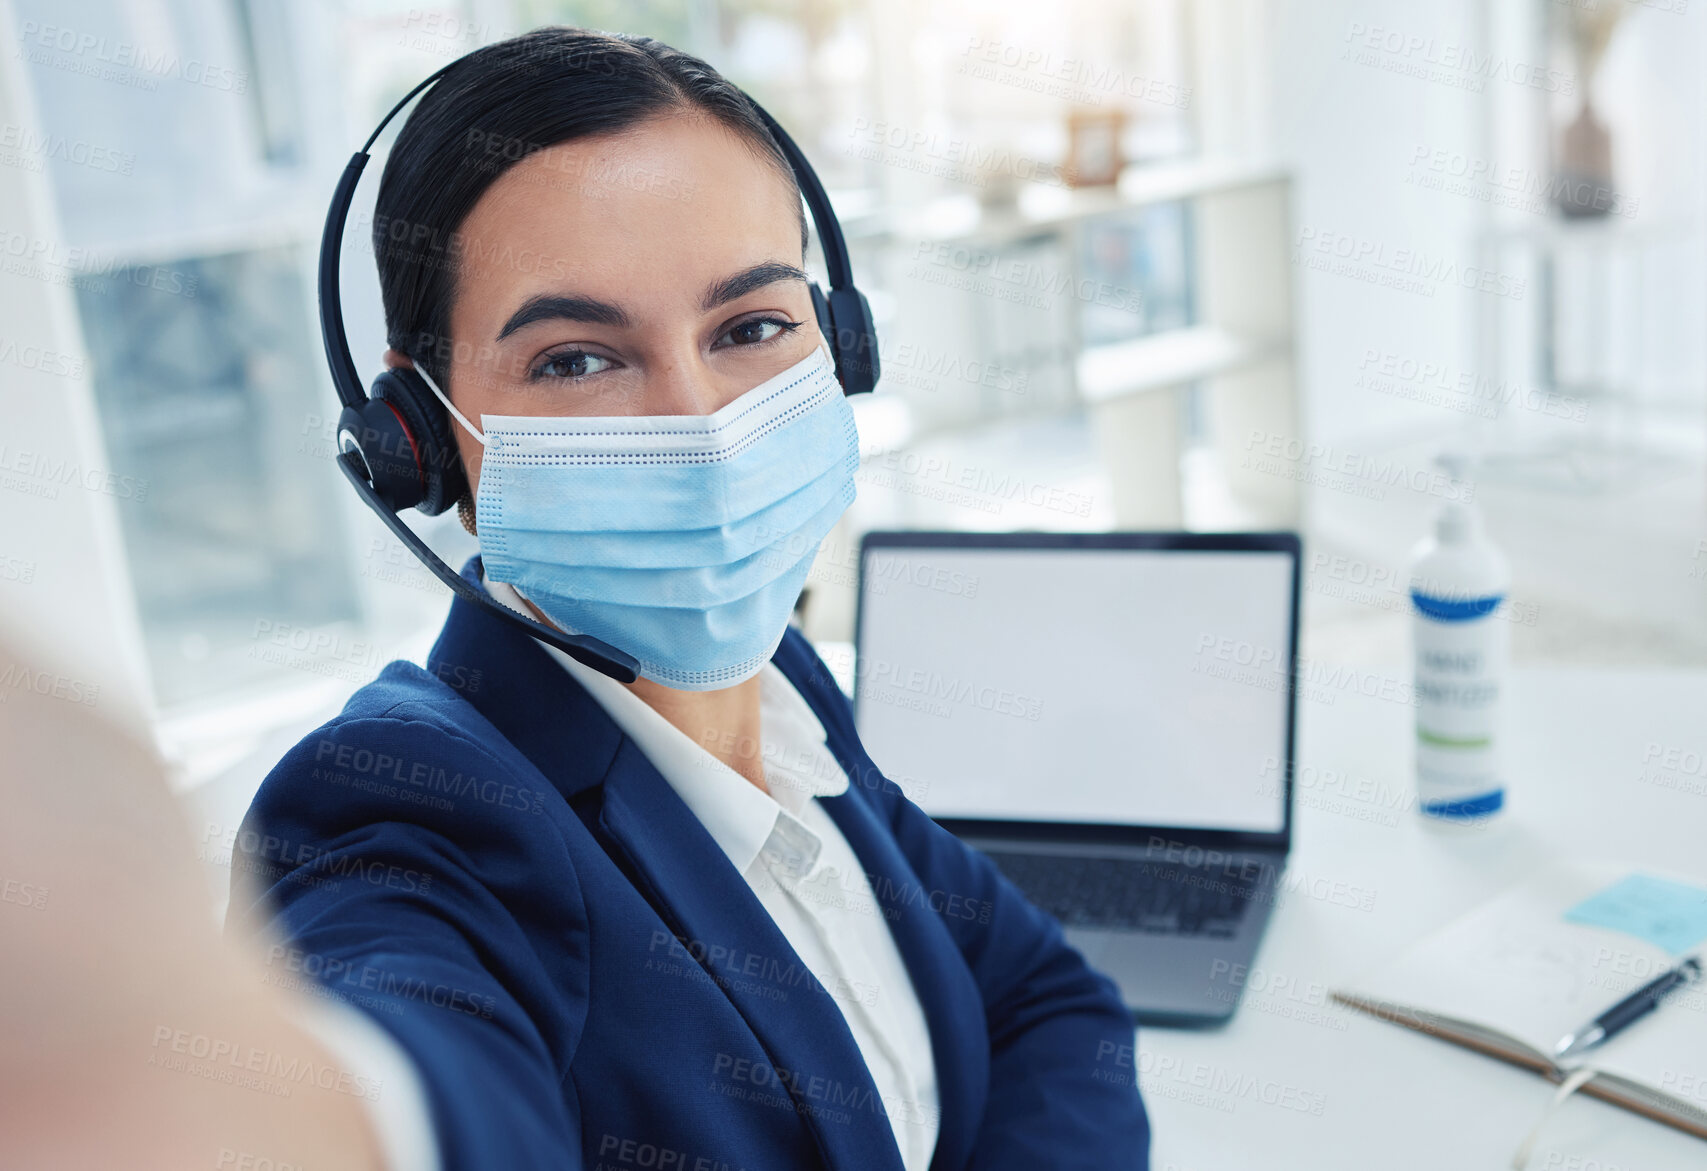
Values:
[(794, 857)]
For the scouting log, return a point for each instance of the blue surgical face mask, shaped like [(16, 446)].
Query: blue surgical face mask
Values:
[(681, 539)]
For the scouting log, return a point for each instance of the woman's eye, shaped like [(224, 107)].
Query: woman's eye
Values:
[(571, 364), (756, 332)]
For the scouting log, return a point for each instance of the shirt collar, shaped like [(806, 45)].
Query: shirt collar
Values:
[(739, 817)]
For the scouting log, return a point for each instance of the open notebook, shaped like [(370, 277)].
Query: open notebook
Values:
[(1514, 976)]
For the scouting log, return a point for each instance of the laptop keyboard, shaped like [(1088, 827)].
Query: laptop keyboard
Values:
[(1134, 893)]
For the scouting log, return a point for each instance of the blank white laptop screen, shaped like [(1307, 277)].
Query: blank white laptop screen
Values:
[(1125, 686)]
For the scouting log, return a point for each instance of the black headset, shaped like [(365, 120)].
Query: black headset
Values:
[(395, 442)]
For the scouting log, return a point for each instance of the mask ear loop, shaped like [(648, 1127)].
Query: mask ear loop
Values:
[(465, 506), (456, 414)]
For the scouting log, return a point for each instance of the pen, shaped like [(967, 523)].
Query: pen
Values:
[(1633, 1007)]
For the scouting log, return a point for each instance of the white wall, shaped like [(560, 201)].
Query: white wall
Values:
[(1349, 131), (65, 592)]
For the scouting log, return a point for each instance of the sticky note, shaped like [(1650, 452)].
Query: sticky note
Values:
[(1672, 915)]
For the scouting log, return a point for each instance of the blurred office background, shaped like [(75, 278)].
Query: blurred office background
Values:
[(1342, 238)]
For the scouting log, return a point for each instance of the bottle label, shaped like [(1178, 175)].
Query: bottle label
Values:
[(1460, 662)]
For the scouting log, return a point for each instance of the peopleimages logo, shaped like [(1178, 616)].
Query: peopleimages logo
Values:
[(21, 144), (1322, 464), (1077, 79), (43, 259), (1438, 384), (1405, 269), (959, 159), (339, 974), (1515, 186), (1164, 1075), (1446, 62), (218, 1059), (33, 357), (97, 55), (1013, 279), (884, 678)]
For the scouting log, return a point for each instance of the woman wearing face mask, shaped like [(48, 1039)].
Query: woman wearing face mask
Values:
[(683, 921)]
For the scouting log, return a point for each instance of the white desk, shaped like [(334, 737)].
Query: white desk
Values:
[(1391, 1098)]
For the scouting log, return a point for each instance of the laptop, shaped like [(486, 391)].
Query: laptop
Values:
[(1110, 717)]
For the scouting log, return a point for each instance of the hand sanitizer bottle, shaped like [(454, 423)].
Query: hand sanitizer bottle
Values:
[(1458, 584)]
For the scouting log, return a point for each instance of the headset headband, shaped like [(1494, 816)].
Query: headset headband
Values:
[(344, 374)]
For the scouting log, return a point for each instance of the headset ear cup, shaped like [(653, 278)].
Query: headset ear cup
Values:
[(853, 339), (376, 432), (443, 480)]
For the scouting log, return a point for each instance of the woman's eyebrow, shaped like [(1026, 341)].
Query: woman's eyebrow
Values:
[(547, 307), (557, 307), (766, 272)]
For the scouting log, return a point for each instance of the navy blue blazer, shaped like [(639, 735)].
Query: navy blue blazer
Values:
[(476, 855)]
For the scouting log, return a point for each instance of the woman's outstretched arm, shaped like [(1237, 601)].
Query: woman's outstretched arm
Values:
[(130, 1029)]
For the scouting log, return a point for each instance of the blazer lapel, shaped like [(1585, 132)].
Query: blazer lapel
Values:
[(525, 694), (722, 924), (951, 999)]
